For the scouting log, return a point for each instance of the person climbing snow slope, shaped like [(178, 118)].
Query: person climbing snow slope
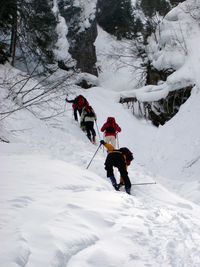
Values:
[(110, 129), (79, 103), (119, 158), (88, 117)]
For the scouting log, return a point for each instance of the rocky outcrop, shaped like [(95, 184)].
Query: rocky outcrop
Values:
[(83, 50), (155, 76), (86, 80), (159, 112)]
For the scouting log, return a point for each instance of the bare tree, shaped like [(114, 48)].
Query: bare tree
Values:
[(193, 8), (34, 93)]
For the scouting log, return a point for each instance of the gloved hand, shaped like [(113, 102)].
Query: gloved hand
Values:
[(102, 142), (66, 99)]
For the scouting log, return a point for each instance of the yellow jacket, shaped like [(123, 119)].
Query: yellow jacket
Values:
[(110, 149)]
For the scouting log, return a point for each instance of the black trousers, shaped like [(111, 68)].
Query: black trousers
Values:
[(75, 113), (116, 159), (89, 125)]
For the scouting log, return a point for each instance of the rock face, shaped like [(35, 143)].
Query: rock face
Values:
[(154, 76), (83, 50), (159, 112), (82, 32)]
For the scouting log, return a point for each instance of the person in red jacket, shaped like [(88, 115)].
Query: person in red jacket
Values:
[(78, 104), (110, 129)]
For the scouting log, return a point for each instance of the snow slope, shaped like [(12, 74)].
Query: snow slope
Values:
[(54, 212), (174, 157)]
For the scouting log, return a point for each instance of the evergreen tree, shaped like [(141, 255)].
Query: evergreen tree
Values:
[(44, 23), (176, 2), (8, 27), (38, 27), (138, 26), (7, 12), (28, 27), (150, 7), (124, 19), (116, 17)]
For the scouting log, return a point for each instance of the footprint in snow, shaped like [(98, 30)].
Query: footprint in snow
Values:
[(21, 202)]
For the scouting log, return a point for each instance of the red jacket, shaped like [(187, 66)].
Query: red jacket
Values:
[(110, 127), (79, 102)]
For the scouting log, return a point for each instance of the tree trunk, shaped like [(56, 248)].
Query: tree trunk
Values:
[(13, 35)]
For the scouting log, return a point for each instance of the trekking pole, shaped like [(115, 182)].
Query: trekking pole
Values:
[(93, 157), (98, 130), (144, 183), (103, 139), (117, 140), (65, 106)]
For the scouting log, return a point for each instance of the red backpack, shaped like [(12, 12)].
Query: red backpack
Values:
[(110, 125), (81, 101)]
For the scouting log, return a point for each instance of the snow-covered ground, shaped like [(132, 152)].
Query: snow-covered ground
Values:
[(56, 213)]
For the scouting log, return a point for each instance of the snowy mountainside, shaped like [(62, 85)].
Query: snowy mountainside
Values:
[(177, 45), (174, 46), (54, 212), (118, 67), (175, 154), (177, 142)]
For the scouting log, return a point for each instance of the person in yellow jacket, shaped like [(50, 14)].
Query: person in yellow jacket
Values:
[(119, 158)]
